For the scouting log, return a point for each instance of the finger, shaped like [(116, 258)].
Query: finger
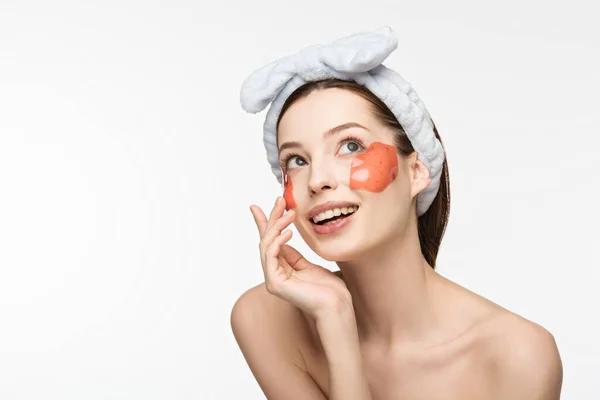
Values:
[(292, 256), (260, 219), (276, 227), (277, 211), (275, 271), (273, 232)]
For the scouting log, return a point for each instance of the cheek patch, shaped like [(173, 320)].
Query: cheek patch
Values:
[(374, 169), (288, 192)]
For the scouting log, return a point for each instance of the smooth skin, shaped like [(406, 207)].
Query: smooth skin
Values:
[(386, 326)]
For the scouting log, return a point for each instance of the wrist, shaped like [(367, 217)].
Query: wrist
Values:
[(339, 337), (340, 310)]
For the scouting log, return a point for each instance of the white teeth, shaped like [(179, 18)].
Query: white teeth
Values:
[(334, 212)]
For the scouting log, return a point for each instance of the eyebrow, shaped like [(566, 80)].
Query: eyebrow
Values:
[(330, 132)]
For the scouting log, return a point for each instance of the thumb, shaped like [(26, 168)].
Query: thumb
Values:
[(294, 258)]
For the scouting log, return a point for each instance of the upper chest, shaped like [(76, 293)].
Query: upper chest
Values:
[(459, 370)]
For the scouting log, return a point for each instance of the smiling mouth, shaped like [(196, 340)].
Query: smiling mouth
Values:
[(333, 218)]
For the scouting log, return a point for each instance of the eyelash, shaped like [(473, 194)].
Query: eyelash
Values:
[(350, 138)]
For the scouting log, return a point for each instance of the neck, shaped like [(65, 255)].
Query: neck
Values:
[(391, 288)]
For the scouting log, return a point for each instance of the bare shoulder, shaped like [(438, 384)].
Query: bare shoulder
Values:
[(271, 334), (527, 360), (258, 305), (522, 356), (259, 313)]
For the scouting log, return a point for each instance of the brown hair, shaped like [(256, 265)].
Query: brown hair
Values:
[(432, 224)]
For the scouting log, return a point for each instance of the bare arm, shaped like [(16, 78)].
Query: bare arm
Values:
[(266, 338), (267, 341), (339, 337)]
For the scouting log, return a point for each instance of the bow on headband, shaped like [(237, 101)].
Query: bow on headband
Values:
[(357, 58)]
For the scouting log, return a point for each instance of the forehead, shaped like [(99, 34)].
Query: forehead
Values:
[(322, 110)]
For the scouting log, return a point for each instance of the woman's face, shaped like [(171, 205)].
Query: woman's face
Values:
[(357, 163)]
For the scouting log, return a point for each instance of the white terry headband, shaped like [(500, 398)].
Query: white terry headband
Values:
[(357, 58)]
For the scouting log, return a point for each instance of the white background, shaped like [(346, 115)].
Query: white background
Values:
[(127, 167)]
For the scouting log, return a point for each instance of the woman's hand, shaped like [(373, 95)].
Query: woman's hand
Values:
[(288, 275)]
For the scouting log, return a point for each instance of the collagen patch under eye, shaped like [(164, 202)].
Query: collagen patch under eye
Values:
[(374, 169), (288, 191)]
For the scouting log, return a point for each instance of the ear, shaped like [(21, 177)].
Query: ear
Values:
[(418, 174)]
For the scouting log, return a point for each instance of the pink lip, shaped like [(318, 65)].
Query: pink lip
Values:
[(330, 205), (335, 227)]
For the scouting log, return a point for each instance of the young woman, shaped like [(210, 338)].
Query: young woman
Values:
[(386, 325)]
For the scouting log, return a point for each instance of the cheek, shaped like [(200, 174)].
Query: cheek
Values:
[(374, 169), (288, 192)]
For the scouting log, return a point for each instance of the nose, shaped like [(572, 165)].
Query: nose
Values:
[(321, 178)]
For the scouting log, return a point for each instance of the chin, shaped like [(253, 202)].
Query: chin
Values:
[(336, 251)]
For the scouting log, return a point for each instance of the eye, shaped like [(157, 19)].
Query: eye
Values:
[(353, 144), (294, 160), (292, 164), (287, 165)]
